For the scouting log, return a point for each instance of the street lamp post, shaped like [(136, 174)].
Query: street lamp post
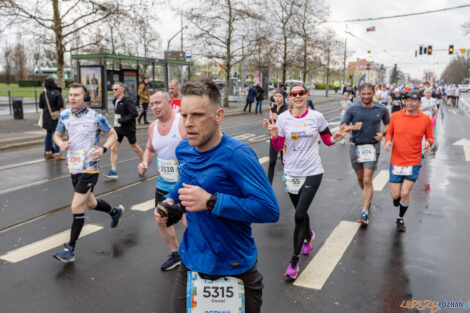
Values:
[(167, 71)]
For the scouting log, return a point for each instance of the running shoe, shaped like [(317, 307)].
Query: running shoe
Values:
[(401, 225), (307, 245), (112, 174), (173, 261), (66, 255), (292, 270), (364, 218), (116, 217)]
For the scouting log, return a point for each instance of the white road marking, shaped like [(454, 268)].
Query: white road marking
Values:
[(43, 245), (380, 180), (320, 268), (465, 143), (263, 160), (244, 136), (144, 206), (258, 138)]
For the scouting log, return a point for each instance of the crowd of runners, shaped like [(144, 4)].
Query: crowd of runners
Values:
[(215, 185)]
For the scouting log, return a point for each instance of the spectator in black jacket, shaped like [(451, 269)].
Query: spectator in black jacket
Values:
[(259, 97), (125, 113), (54, 95)]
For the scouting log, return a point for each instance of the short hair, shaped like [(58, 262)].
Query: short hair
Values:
[(176, 82), (366, 86), (201, 87), (122, 85), (78, 85), (162, 91)]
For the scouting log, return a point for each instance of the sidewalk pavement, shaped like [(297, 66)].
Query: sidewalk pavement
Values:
[(26, 132)]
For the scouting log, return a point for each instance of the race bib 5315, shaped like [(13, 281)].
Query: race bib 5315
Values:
[(226, 294)]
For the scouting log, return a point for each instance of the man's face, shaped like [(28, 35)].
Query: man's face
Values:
[(118, 91), (199, 120), (366, 95), (160, 105), (412, 104), (173, 89), (76, 96)]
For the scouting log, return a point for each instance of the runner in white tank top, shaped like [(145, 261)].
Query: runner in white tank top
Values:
[(164, 135)]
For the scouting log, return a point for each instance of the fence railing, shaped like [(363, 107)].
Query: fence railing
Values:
[(11, 97)]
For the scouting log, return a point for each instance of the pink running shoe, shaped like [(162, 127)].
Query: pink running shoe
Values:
[(307, 246), (292, 271)]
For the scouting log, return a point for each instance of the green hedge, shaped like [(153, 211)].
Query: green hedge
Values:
[(321, 86), (30, 83), (38, 83)]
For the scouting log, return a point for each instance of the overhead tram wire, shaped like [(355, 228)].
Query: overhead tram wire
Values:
[(401, 15)]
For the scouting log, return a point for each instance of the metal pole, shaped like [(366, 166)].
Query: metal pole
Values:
[(9, 101), (36, 99), (344, 61)]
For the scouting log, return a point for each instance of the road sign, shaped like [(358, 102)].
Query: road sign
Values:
[(175, 56), (462, 50), (370, 29)]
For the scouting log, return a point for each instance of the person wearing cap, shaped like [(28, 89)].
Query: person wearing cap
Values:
[(364, 149), (404, 135), (396, 99)]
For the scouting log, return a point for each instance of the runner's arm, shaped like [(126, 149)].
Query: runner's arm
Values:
[(428, 133), (258, 203), (149, 153), (111, 138)]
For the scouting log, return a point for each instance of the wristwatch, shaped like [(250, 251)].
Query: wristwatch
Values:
[(210, 204), (104, 149)]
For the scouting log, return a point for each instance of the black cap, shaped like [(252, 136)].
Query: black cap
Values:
[(413, 95)]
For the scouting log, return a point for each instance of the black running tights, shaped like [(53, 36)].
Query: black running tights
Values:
[(302, 202), (272, 161)]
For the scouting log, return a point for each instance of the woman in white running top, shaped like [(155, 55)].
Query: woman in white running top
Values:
[(298, 129)]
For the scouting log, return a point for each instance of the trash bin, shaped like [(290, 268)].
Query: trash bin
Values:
[(17, 104)]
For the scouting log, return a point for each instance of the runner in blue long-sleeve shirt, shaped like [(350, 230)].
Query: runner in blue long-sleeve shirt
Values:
[(224, 189)]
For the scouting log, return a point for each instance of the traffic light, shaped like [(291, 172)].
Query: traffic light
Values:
[(429, 50), (420, 50), (451, 49)]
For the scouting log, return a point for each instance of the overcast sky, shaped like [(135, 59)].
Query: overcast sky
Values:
[(394, 41)]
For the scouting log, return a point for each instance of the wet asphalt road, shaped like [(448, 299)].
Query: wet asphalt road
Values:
[(119, 270)]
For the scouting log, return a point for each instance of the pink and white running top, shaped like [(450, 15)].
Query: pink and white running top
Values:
[(300, 135)]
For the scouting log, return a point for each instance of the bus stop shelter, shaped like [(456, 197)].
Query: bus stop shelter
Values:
[(98, 72)]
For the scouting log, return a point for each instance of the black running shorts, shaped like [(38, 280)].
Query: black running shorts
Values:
[(82, 182)]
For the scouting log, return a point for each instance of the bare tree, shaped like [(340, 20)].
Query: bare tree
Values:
[(19, 60), (331, 48), (8, 60), (283, 11), (64, 19), (457, 70), (217, 32), (310, 13), (466, 28)]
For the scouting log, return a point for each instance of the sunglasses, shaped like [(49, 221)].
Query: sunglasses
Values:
[(299, 93)]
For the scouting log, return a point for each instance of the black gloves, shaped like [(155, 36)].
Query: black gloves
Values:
[(173, 212)]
